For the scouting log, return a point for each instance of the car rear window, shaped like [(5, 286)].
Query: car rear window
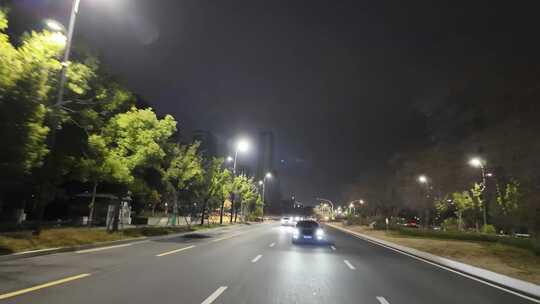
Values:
[(307, 224)]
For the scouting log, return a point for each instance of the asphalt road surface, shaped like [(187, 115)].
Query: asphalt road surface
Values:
[(254, 264)]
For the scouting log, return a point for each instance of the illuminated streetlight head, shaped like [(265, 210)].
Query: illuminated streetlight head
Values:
[(54, 25), (422, 179), (351, 205), (361, 202), (58, 38), (268, 175), (242, 145), (260, 182), (476, 162), (229, 158)]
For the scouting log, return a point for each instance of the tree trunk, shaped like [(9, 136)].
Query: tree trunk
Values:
[(92, 204), (221, 212), (116, 217), (175, 208), (232, 208), (460, 221), (203, 211)]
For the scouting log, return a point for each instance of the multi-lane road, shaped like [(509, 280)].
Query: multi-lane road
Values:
[(244, 264)]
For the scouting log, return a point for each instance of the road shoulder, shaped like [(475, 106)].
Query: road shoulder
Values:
[(486, 276)]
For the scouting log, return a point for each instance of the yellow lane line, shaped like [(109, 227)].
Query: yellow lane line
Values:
[(37, 287), (175, 251)]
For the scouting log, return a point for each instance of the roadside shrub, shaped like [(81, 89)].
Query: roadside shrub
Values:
[(356, 220), (489, 229), (471, 236), (450, 224), (140, 221)]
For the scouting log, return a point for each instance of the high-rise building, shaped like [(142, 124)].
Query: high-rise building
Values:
[(208, 142), (265, 162)]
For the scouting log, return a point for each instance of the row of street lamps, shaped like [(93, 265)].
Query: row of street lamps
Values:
[(65, 36), (242, 146), (475, 162)]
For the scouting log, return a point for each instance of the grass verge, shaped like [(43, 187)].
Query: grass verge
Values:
[(511, 260), (65, 237)]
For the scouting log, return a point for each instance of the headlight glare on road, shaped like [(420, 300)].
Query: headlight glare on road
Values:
[(319, 232)]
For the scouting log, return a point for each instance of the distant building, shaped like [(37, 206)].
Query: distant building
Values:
[(208, 142), (265, 162)]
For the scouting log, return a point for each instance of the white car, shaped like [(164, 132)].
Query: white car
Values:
[(289, 220)]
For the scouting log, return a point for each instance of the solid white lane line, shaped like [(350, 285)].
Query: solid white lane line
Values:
[(382, 300), (273, 244), (174, 251), (349, 264), (103, 248), (333, 247), (214, 295), (444, 267), (35, 251), (256, 258)]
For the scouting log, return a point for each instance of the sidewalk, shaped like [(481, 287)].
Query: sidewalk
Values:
[(476, 273)]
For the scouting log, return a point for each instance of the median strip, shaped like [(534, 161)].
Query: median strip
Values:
[(214, 295), (382, 300), (175, 251), (256, 258), (37, 287), (349, 265)]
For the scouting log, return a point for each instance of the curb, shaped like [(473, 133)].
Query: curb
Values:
[(47, 251), (518, 287)]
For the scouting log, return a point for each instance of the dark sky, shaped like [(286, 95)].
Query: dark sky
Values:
[(335, 81)]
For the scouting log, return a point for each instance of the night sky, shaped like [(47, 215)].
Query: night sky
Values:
[(337, 82)]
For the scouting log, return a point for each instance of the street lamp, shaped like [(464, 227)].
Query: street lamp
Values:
[(476, 162), (229, 159), (241, 146), (422, 179), (69, 37), (55, 26), (263, 184), (352, 206), (480, 163), (328, 201)]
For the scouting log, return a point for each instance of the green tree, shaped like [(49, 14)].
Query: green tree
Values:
[(128, 141), (183, 173), (226, 192), (28, 85), (246, 192), (211, 190), (508, 196), (462, 201)]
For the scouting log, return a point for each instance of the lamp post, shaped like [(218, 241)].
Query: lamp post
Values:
[(352, 204), (263, 184), (55, 26), (331, 205), (480, 163), (242, 145), (424, 180)]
